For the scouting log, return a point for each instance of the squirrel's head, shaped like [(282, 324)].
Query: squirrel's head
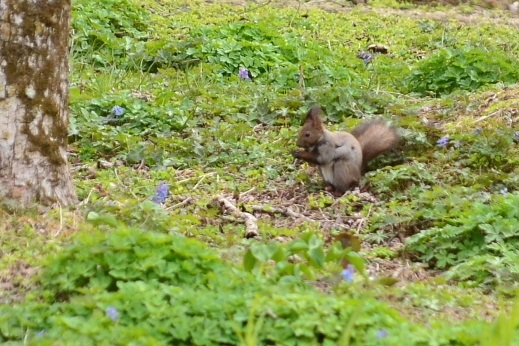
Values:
[(312, 130)]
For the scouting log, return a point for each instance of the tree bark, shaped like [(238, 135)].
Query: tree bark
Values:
[(34, 102)]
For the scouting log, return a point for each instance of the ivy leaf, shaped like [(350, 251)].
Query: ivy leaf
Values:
[(316, 257), (249, 261), (298, 246), (97, 219), (357, 261), (263, 253)]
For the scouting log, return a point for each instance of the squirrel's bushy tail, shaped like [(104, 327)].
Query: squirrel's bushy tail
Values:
[(375, 138)]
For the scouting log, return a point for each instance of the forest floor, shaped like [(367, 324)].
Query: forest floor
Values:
[(223, 144)]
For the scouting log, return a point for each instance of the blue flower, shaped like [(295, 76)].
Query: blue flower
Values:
[(503, 191), (347, 274), (365, 56), (161, 194), (41, 333), (112, 313), (118, 111), (443, 141), (244, 73), (381, 334)]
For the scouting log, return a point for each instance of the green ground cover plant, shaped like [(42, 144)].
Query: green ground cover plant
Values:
[(183, 116), (129, 286)]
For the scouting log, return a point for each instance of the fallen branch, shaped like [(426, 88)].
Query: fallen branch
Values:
[(251, 223), (498, 112), (273, 210), (247, 192), (202, 179)]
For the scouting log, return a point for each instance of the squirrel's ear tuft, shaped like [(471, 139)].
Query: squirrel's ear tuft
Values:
[(314, 115)]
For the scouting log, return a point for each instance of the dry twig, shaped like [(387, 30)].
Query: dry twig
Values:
[(273, 210), (251, 223), (498, 112), (181, 204)]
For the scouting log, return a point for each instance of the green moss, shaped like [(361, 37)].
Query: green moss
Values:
[(21, 72)]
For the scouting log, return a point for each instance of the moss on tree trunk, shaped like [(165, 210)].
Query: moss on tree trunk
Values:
[(34, 102)]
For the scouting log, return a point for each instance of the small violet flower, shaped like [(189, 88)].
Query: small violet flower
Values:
[(381, 334), (365, 56), (118, 111), (112, 313), (243, 73), (347, 274), (161, 194), (443, 141)]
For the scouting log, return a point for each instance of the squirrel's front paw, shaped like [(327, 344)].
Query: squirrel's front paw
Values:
[(296, 153)]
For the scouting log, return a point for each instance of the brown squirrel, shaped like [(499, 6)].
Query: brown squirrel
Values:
[(341, 156)]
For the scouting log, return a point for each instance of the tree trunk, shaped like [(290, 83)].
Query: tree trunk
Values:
[(34, 102)]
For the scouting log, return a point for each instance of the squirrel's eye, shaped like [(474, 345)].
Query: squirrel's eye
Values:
[(307, 134)]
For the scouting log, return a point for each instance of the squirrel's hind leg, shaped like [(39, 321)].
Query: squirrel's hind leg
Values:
[(346, 175)]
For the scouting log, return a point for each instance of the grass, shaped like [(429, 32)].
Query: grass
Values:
[(191, 122)]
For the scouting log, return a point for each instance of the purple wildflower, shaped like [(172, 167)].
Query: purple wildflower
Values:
[(161, 194), (243, 73), (347, 274), (118, 111), (381, 334), (443, 141), (365, 56), (112, 313)]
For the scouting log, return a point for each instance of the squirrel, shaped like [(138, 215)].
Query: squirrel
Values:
[(342, 157)]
